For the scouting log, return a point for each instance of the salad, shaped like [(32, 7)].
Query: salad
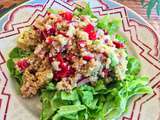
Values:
[(78, 64)]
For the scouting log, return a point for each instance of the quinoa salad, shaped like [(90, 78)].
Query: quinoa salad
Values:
[(78, 65)]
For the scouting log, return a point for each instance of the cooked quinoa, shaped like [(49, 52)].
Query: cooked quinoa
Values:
[(68, 49)]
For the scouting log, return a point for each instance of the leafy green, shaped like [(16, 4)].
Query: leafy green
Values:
[(59, 105), (68, 111), (92, 103), (110, 26), (53, 11), (19, 53), (72, 95), (13, 71), (103, 22), (113, 26), (133, 66), (119, 95), (84, 11), (15, 54), (11, 68), (120, 38), (48, 107)]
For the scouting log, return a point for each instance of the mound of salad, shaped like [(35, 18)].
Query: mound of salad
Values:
[(78, 64)]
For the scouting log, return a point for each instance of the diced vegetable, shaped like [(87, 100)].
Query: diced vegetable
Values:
[(92, 35), (49, 40), (114, 59), (89, 28), (118, 44), (22, 64), (87, 58), (67, 16)]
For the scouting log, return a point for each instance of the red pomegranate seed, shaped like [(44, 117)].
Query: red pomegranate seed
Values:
[(92, 35), (59, 74), (88, 28), (50, 59), (22, 64), (48, 13), (44, 34), (71, 71), (118, 44), (70, 57), (63, 66), (49, 40), (67, 16), (81, 43), (63, 73), (51, 31), (59, 57), (87, 58)]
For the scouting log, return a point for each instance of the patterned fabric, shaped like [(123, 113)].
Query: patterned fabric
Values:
[(6, 5), (136, 6)]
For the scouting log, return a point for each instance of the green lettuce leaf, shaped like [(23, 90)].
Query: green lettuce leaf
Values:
[(14, 73), (19, 53), (119, 96), (113, 26), (110, 26), (48, 109), (133, 66), (92, 103), (70, 96), (84, 11), (53, 11), (69, 111), (16, 53), (120, 38), (103, 22)]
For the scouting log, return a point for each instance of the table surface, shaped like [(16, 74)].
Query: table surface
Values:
[(6, 5)]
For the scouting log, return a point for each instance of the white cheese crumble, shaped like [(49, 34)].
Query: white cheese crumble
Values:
[(55, 65)]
